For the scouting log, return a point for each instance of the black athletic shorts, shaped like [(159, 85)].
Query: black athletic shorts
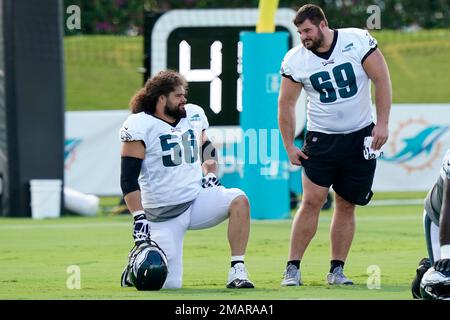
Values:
[(337, 160)]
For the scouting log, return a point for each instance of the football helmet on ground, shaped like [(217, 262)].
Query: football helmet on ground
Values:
[(435, 285), (147, 267), (424, 265)]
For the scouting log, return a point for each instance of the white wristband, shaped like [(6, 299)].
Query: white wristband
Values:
[(445, 251), (138, 212)]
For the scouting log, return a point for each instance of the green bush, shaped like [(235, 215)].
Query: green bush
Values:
[(126, 16)]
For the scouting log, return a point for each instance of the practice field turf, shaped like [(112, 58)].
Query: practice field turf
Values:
[(35, 257)]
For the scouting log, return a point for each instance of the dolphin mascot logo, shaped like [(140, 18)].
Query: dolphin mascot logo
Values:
[(418, 144)]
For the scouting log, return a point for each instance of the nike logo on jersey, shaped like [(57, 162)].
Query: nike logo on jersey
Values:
[(175, 129), (348, 47), (328, 62)]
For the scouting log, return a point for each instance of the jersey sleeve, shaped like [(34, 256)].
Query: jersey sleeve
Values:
[(367, 44), (196, 114), (133, 129), (205, 123), (286, 69)]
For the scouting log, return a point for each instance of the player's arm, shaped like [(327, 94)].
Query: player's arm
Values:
[(287, 100), (443, 265), (209, 163), (377, 70), (132, 155), (444, 220), (208, 155)]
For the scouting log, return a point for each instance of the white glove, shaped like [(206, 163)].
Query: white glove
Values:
[(369, 153), (446, 164), (210, 180)]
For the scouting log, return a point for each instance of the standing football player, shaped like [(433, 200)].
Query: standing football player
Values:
[(168, 179), (335, 67), (436, 221)]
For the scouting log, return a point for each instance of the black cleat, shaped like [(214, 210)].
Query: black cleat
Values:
[(238, 278), (240, 284)]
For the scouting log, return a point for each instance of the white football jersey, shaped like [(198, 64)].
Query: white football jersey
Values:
[(171, 172), (338, 88)]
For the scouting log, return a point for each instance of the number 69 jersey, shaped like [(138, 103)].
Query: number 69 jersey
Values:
[(171, 171), (337, 86)]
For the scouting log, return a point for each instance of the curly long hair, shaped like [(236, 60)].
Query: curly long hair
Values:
[(162, 83)]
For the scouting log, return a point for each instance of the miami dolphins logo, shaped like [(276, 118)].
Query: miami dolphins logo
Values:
[(415, 144), (69, 151)]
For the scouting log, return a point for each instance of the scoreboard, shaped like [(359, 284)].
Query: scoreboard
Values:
[(204, 46)]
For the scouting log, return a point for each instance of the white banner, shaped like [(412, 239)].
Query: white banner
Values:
[(419, 135), (92, 151), (419, 138)]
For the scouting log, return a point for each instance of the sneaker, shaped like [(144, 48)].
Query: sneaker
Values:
[(291, 276), (338, 277), (238, 278)]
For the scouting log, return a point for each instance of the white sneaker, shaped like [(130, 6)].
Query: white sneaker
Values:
[(338, 277), (292, 276), (238, 278)]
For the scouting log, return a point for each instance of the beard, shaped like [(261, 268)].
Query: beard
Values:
[(175, 111), (314, 43)]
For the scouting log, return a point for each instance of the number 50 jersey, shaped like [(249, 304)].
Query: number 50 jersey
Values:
[(171, 171), (337, 86)]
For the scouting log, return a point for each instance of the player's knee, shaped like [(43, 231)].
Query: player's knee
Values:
[(344, 205), (241, 206), (241, 202), (311, 206)]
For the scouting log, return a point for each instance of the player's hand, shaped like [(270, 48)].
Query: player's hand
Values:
[(443, 266), (296, 155), (141, 228), (380, 134), (210, 180)]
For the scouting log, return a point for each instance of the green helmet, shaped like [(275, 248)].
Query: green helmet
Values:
[(148, 267)]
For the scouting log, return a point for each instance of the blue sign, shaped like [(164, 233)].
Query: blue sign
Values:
[(266, 165)]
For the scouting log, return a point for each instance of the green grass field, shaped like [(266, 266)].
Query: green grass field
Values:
[(101, 72), (35, 255)]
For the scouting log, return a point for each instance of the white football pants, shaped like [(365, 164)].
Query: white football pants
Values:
[(209, 209)]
